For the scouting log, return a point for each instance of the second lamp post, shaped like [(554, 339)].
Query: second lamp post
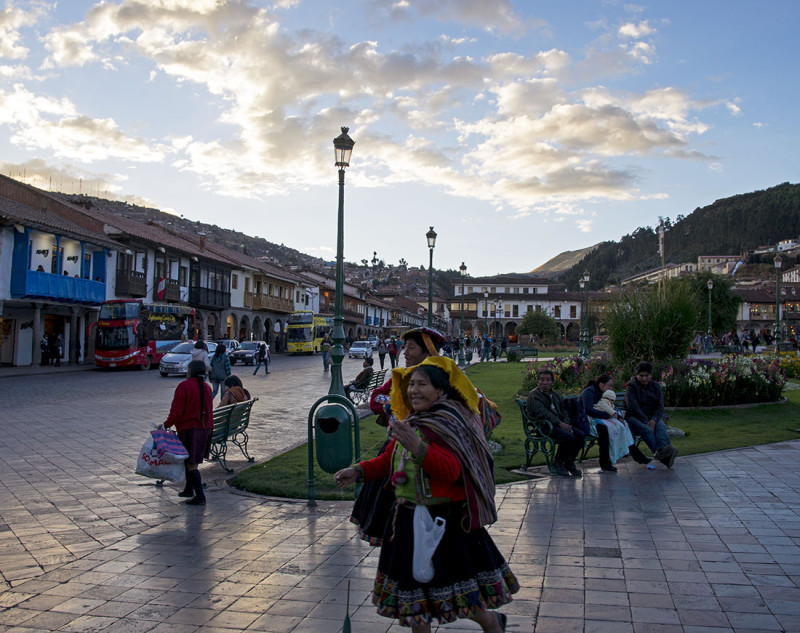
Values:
[(462, 342), (431, 237)]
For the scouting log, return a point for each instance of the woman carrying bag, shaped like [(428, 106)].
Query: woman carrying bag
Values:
[(439, 459), (220, 370)]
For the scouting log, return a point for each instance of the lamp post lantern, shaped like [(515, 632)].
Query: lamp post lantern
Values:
[(343, 148), (778, 263), (462, 343), (431, 237), (710, 286)]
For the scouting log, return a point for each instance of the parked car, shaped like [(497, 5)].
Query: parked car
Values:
[(247, 353), (360, 349), (373, 341), (231, 345), (176, 362)]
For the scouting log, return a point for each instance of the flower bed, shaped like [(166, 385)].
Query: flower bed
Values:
[(732, 379)]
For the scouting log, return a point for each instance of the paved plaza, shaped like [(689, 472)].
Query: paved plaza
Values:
[(86, 545)]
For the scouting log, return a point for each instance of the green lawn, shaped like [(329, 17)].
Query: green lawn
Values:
[(287, 475)]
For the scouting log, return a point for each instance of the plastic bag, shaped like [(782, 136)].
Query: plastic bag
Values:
[(427, 534), (168, 446), (151, 465)]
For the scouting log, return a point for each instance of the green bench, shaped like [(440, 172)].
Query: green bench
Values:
[(230, 425), (361, 396), (522, 351)]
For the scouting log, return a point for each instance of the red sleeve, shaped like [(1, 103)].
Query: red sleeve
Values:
[(379, 466), (440, 463), (383, 390), (178, 408)]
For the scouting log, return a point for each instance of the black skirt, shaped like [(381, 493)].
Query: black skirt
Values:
[(470, 573), (197, 443), (373, 508)]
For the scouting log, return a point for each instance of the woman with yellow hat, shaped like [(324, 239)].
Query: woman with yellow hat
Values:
[(438, 458)]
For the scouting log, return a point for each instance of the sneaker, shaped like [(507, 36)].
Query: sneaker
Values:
[(574, 470)]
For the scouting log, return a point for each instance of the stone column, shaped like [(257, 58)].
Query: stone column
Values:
[(36, 356)]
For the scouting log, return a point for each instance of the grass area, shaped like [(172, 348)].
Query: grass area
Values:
[(712, 430)]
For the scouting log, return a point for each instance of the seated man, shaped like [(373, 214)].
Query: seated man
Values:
[(545, 404), (362, 380), (645, 409)]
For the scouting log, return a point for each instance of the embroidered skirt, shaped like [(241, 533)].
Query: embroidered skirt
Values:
[(471, 574)]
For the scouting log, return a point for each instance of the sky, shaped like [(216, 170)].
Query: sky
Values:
[(517, 129)]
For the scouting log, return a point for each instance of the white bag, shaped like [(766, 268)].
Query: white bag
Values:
[(427, 534), (151, 465)]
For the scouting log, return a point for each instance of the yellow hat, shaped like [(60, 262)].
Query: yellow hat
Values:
[(457, 378)]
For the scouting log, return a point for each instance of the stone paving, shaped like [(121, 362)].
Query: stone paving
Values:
[(85, 545)]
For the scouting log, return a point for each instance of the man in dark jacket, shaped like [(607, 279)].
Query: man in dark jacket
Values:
[(362, 380), (644, 403), (545, 404)]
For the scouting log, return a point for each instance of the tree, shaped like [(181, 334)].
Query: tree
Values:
[(540, 324), (724, 301)]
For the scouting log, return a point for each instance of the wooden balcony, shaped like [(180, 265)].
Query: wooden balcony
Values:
[(263, 302), (132, 283)]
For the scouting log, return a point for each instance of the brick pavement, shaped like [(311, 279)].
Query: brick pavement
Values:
[(710, 547)]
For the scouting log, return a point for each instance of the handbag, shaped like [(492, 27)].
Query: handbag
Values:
[(427, 534), (149, 464), (168, 447)]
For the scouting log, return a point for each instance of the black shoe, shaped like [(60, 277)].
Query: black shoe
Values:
[(668, 458), (637, 455), (560, 470), (196, 501), (502, 619), (574, 470), (186, 492), (608, 469)]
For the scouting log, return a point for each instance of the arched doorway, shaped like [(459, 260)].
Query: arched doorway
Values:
[(244, 329), (231, 324), (258, 329), (211, 327), (199, 322)]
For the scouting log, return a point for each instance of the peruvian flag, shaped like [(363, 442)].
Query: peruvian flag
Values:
[(162, 287)]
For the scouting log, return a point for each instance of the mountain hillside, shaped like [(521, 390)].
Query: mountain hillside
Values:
[(561, 262), (730, 226)]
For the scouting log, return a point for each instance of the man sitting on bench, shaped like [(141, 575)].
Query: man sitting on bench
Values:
[(546, 404), (362, 380), (645, 414)]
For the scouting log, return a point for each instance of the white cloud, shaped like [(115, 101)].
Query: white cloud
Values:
[(11, 21), (636, 31)]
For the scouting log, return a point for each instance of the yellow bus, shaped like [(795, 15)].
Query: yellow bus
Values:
[(304, 332)]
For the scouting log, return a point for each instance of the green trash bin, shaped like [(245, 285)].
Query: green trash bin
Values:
[(333, 431)]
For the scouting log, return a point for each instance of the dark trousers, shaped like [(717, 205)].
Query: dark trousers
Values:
[(569, 444)]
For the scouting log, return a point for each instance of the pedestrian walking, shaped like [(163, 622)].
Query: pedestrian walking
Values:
[(220, 370), (262, 358), (392, 349), (325, 348), (382, 352)]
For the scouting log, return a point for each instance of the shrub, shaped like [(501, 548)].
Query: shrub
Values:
[(646, 323)]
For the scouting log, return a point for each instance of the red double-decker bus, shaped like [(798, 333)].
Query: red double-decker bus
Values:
[(133, 333)]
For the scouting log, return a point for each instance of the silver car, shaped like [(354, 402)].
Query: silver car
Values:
[(176, 362), (360, 349)]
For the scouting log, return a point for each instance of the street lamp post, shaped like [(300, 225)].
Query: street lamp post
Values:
[(462, 343), (485, 313), (431, 237), (584, 335), (498, 308), (710, 286), (343, 148), (778, 263)]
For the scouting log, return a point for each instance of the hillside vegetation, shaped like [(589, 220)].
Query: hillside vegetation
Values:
[(730, 226)]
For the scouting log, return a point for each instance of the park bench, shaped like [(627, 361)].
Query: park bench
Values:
[(522, 351), (538, 433), (230, 425), (361, 396), (784, 346)]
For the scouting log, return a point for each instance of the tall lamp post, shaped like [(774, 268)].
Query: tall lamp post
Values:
[(462, 343), (778, 263), (431, 237), (498, 307), (343, 148), (710, 286), (584, 335), (485, 313)]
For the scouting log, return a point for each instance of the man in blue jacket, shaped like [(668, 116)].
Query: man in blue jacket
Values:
[(644, 405)]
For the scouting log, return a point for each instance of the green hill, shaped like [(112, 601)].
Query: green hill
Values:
[(730, 226)]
